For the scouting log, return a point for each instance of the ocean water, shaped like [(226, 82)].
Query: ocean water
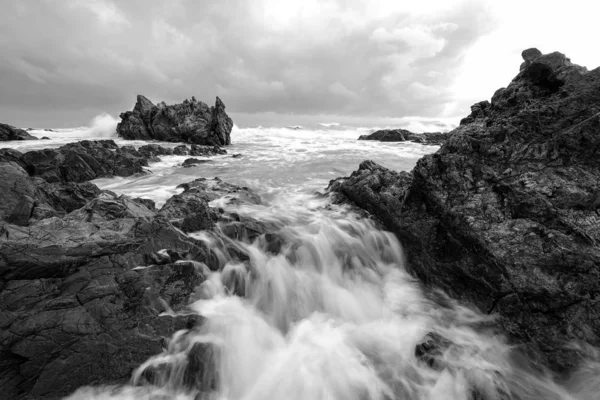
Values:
[(334, 315)]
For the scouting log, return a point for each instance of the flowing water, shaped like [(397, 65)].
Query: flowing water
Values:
[(332, 315)]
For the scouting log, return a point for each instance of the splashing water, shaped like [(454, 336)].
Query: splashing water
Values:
[(332, 315), (328, 311)]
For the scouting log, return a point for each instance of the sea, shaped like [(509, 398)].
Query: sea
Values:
[(335, 315)]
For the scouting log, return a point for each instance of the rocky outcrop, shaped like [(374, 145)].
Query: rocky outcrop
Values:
[(191, 121), (8, 132), (81, 297), (506, 214), (402, 135), (189, 210), (92, 283), (83, 161)]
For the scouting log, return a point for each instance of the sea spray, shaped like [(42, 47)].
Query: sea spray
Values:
[(333, 314)]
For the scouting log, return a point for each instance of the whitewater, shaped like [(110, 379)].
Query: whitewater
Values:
[(334, 314)]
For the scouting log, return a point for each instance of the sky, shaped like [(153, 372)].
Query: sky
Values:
[(276, 62)]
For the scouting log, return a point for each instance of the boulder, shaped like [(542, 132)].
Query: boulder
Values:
[(506, 215), (190, 211), (402, 135), (8, 132), (191, 121)]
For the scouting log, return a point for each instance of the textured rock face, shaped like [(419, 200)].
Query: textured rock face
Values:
[(191, 121), (8, 132), (86, 276), (402, 135), (83, 161), (506, 214), (73, 307)]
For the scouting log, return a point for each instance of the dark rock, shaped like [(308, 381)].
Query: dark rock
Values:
[(189, 210), (8, 155), (181, 150), (45, 138), (402, 135), (191, 121), (78, 303), (8, 132), (149, 204), (153, 151), (505, 214), (236, 155), (192, 162), (16, 193), (206, 151), (84, 161)]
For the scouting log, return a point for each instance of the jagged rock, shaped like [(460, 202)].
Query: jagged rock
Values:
[(81, 300), (191, 121), (8, 132), (402, 135), (189, 210), (83, 161), (506, 214)]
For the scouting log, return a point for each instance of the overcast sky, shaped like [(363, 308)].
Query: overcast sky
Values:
[(369, 62)]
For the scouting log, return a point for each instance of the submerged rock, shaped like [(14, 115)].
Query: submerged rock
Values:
[(192, 162), (191, 121), (402, 135), (8, 132), (506, 214)]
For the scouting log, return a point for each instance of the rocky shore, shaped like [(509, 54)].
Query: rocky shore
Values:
[(8, 132), (191, 122), (89, 280), (506, 215), (402, 135)]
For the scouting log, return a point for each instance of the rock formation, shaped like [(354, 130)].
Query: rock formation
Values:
[(191, 121), (88, 279), (506, 215), (8, 132), (402, 135)]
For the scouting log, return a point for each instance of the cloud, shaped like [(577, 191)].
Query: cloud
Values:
[(356, 58)]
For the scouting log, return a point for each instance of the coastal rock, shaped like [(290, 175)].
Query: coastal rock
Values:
[(193, 162), (506, 215), (402, 135), (189, 210), (191, 121), (84, 161), (8, 132), (81, 300)]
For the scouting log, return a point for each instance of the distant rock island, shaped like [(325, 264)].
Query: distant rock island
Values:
[(506, 215), (8, 132), (191, 122), (402, 135)]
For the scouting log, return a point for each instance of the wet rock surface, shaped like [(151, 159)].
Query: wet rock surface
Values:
[(402, 135), (191, 121), (8, 132), (91, 283), (83, 161), (506, 214)]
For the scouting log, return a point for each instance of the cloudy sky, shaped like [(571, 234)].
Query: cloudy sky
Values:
[(368, 62)]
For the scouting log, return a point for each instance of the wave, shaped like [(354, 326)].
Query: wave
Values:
[(102, 126), (329, 124)]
